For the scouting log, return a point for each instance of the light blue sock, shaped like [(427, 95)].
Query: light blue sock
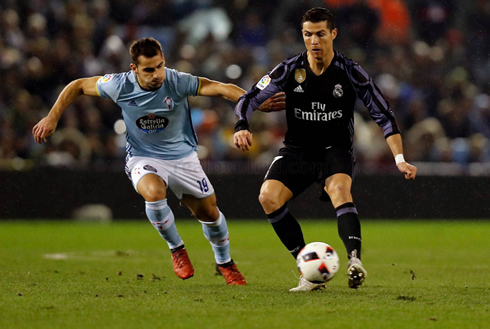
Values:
[(162, 218), (217, 234)]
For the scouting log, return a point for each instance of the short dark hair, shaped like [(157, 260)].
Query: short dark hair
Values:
[(319, 14), (147, 47)]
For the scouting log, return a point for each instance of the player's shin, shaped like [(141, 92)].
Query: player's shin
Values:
[(349, 228), (287, 229), (162, 218), (217, 234)]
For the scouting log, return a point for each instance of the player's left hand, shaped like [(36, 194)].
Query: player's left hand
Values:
[(43, 129), (275, 103), (409, 170), (243, 140)]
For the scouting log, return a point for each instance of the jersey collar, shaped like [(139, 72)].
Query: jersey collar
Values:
[(308, 68)]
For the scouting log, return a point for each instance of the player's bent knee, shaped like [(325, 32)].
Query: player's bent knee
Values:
[(338, 190), (270, 201), (208, 214), (153, 192)]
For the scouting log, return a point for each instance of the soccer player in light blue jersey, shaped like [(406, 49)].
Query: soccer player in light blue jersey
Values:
[(161, 145)]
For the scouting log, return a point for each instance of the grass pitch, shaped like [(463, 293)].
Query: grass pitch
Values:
[(77, 275)]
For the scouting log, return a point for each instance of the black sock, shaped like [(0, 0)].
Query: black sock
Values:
[(349, 228), (177, 248), (287, 229)]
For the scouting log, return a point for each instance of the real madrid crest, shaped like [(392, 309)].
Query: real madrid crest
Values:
[(338, 92), (300, 75)]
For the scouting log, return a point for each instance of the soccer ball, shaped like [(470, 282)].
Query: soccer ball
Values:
[(318, 262)]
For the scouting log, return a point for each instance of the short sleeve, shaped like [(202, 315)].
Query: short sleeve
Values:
[(187, 84), (108, 86)]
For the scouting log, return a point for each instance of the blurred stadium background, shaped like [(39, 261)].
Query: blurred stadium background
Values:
[(431, 59)]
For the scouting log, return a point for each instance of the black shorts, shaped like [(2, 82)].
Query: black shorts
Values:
[(298, 169)]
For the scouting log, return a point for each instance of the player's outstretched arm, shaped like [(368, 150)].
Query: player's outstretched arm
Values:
[(396, 146), (232, 93), (47, 126), (213, 88)]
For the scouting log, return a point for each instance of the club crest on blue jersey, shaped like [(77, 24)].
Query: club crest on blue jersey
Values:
[(152, 123), (170, 103)]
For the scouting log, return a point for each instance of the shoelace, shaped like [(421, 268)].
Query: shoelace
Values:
[(179, 256)]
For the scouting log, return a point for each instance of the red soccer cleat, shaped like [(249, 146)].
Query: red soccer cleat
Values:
[(182, 264), (231, 274)]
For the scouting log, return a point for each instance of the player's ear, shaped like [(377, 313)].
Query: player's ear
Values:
[(334, 33), (134, 68)]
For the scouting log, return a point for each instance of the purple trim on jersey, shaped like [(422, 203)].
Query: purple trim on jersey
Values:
[(368, 92), (340, 65), (278, 217), (344, 211)]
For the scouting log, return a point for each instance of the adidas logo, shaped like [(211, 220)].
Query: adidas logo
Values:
[(299, 89), (132, 103)]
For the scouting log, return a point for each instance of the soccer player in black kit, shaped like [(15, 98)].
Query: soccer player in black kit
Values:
[(321, 87)]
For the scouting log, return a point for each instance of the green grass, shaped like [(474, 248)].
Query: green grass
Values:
[(422, 274)]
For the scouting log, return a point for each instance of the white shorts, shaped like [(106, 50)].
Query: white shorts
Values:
[(182, 176)]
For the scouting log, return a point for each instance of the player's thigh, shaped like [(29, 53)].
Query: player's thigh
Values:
[(205, 209), (293, 171), (149, 177), (188, 178)]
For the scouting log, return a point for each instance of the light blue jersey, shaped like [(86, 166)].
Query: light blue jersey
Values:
[(158, 123)]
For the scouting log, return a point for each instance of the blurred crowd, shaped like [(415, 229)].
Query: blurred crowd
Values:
[(430, 58)]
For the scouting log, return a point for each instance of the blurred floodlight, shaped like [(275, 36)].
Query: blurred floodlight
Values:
[(187, 51), (233, 71), (120, 127), (34, 64), (389, 85), (18, 163), (436, 54), (421, 48), (482, 101)]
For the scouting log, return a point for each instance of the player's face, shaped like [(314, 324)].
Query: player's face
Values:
[(150, 71), (318, 38)]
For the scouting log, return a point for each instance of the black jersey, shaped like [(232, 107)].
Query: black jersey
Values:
[(319, 109)]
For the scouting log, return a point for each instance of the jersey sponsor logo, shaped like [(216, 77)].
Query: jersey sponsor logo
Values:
[(317, 116), (149, 168), (300, 75), (298, 89), (106, 78), (152, 123), (170, 103), (132, 103), (338, 92), (264, 82)]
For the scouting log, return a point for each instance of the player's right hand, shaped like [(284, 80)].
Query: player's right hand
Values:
[(274, 104), (43, 129), (243, 139)]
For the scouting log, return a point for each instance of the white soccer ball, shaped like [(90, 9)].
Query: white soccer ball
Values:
[(318, 262)]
